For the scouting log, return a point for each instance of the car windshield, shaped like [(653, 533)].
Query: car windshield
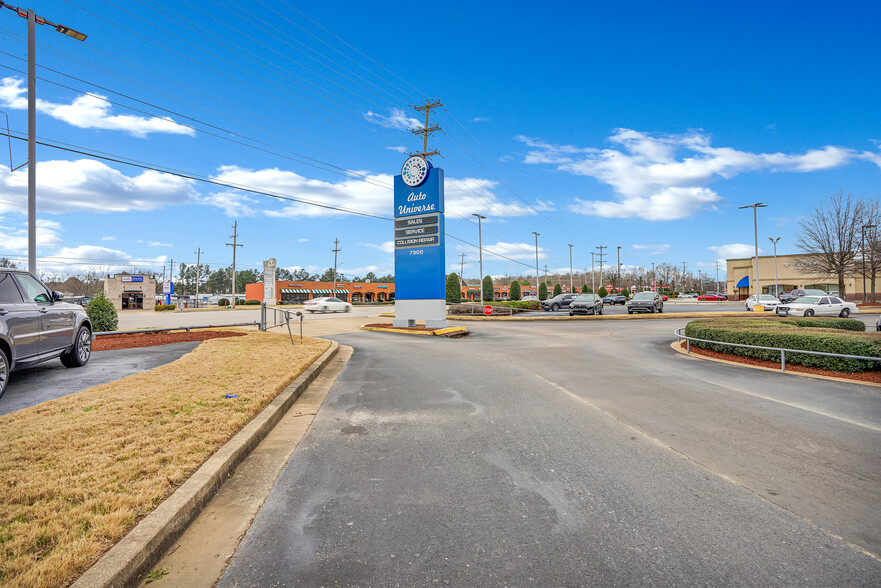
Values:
[(644, 296), (585, 298), (768, 298), (814, 293), (808, 300)]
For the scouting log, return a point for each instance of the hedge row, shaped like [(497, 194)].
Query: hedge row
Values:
[(160, 307), (844, 336)]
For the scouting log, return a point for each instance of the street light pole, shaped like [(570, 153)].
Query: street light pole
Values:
[(536, 263), (592, 285), (480, 252), (756, 206), (33, 20), (863, 247), (570, 268), (619, 269), (776, 285)]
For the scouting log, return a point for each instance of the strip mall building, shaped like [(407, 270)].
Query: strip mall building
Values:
[(297, 292), (792, 271)]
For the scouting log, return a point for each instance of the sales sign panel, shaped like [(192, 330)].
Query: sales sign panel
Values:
[(419, 238)]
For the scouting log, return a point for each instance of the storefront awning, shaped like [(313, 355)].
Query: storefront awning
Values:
[(294, 291), (316, 291), (341, 291), (743, 283)]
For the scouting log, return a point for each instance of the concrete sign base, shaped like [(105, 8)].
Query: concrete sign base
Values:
[(407, 312)]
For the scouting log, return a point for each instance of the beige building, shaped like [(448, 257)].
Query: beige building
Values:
[(130, 292), (792, 271)]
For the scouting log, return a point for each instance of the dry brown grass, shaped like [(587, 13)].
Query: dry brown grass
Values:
[(77, 473)]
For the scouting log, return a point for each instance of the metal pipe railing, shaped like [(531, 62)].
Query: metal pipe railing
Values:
[(782, 350), (164, 329)]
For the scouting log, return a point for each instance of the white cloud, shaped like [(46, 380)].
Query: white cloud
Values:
[(654, 183), (108, 238), (659, 249), (95, 258), (302, 240), (479, 119), (396, 119), (467, 196), (386, 247), (399, 149), (158, 244), (735, 251), (91, 186), (516, 251), (15, 239), (89, 112), (233, 203)]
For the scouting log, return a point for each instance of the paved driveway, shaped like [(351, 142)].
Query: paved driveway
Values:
[(52, 380), (574, 454)]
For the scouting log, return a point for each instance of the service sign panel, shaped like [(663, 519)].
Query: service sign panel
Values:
[(419, 238)]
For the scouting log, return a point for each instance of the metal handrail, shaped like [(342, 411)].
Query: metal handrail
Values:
[(782, 350), (264, 326), (163, 329)]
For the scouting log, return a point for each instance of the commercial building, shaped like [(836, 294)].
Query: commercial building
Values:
[(128, 292), (300, 291), (792, 271)]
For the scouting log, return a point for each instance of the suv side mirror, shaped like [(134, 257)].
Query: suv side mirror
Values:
[(57, 296)]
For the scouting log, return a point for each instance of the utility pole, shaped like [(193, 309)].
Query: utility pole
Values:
[(546, 273), (480, 252), (619, 267), (234, 244), (775, 273), (570, 268), (426, 130), (684, 264), (336, 249), (654, 282), (34, 20), (171, 270), (755, 207), (462, 271), (198, 273), (536, 263), (601, 254), (592, 285), (863, 246)]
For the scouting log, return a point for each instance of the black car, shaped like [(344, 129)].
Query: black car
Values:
[(557, 302), (645, 302), (586, 304), (615, 299), (797, 293), (36, 326)]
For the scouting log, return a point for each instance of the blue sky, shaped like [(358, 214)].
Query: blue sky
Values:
[(643, 126)]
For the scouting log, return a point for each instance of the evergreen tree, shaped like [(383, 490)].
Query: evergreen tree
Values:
[(603, 292), (558, 289), (488, 291), (585, 289), (542, 291), (514, 291), (454, 289)]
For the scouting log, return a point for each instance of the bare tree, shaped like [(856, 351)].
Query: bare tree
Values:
[(830, 236), (870, 252)]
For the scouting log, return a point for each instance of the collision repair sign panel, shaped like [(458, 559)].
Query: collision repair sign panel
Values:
[(419, 238)]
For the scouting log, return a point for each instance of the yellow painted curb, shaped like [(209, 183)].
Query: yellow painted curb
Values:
[(678, 349), (439, 332)]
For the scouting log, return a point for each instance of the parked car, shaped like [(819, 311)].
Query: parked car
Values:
[(557, 302), (688, 295), (664, 297), (766, 300), (36, 325), (615, 299), (817, 306), (327, 304), (645, 302), (528, 298), (797, 293), (712, 296), (586, 304)]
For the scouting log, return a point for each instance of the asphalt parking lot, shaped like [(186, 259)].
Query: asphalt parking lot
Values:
[(50, 380)]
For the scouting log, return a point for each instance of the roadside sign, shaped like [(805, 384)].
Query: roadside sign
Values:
[(487, 310)]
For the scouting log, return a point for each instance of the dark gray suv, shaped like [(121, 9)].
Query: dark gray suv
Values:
[(36, 326)]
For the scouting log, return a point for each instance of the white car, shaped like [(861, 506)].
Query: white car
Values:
[(766, 300), (817, 306), (327, 304)]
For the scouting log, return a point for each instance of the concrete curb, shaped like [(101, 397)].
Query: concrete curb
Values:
[(127, 561), (678, 349), (439, 332)]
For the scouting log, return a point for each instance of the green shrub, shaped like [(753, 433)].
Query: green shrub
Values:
[(102, 313), (514, 291), (585, 289), (454, 289), (833, 335), (542, 291), (251, 302), (520, 304), (558, 289), (223, 302), (603, 292), (488, 290)]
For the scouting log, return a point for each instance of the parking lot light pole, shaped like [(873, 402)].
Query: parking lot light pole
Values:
[(480, 252), (536, 263), (776, 285), (592, 285), (863, 246), (756, 206), (570, 268), (33, 20)]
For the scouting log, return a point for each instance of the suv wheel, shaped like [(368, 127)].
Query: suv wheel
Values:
[(4, 372), (555, 307), (81, 351)]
